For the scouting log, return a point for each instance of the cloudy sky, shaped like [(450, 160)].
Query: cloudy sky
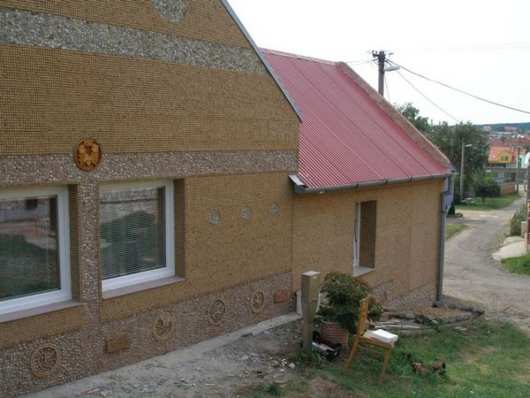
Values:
[(480, 46)]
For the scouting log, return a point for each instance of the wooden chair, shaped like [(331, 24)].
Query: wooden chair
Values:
[(366, 338)]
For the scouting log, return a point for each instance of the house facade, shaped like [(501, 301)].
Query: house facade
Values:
[(371, 192), (161, 184), (145, 203)]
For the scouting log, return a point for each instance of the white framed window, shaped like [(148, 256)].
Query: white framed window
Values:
[(34, 248), (137, 233)]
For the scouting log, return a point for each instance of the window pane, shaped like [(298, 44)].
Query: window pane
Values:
[(132, 234), (29, 261)]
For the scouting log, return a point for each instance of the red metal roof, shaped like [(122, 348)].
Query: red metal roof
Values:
[(346, 137)]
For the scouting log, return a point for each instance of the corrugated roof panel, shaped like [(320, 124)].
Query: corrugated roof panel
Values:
[(346, 138)]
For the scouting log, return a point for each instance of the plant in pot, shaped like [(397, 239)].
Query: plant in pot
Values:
[(339, 309)]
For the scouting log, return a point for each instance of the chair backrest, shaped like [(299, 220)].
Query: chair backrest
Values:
[(363, 316)]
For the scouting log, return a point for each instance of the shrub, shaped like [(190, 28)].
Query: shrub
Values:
[(487, 188), (517, 219), (343, 296)]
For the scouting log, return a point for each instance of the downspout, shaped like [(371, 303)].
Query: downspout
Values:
[(446, 199)]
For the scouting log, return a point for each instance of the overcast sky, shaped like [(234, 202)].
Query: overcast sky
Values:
[(481, 46)]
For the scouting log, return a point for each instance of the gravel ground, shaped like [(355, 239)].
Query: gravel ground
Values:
[(222, 367), (472, 274)]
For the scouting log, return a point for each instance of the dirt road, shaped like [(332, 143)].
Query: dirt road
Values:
[(472, 274)]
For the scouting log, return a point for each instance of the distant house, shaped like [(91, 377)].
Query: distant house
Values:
[(369, 188), (507, 154)]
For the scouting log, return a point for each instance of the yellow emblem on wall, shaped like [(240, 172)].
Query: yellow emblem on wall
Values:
[(88, 155)]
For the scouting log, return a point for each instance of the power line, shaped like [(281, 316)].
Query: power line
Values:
[(427, 98), (462, 91)]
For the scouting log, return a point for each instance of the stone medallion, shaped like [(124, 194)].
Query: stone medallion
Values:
[(214, 217), (45, 360), (246, 213), (164, 326), (216, 312), (87, 155), (257, 302), (172, 10)]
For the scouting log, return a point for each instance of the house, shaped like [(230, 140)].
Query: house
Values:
[(145, 203), (155, 189), (370, 188), (508, 155)]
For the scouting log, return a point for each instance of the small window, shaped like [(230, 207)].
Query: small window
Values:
[(34, 248), (364, 238), (136, 233)]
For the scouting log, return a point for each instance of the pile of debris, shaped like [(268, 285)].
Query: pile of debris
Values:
[(425, 319)]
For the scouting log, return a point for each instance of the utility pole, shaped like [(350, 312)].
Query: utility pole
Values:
[(462, 158), (462, 161), (381, 61)]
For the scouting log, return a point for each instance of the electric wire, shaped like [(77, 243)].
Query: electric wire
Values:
[(427, 98), (495, 103)]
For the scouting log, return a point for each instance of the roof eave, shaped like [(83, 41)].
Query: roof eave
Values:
[(301, 189)]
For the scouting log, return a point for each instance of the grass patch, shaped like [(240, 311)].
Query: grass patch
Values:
[(488, 360), (489, 203), (453, 229), (518, 265)]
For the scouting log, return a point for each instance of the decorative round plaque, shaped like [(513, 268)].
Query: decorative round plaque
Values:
[(257, 302), (217, 311), (45, 360), (88, 155), (246, 213), (164, 326)]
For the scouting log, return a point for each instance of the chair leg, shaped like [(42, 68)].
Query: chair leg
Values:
[(352, 353), (385, 365)]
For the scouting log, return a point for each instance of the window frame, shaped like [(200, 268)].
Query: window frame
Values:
[(359, 269), (169, 217), (64, 294)]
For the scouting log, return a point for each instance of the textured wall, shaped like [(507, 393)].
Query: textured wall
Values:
[(407, 236), (202, 19), (109, 70)]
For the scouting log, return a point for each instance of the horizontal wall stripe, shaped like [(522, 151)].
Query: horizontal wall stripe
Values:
[(52, 31), (61, 169)]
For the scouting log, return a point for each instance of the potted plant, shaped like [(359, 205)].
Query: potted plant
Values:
[(339, 308)]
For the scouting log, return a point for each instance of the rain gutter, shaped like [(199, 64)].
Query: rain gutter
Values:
[(301, 189)]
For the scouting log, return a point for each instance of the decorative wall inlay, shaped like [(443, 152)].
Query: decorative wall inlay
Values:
[(257, 302), (275, 209), (246, 213), (173, 10), (45, 360), (164, 326), (214, 217), (117, 344), (217, 311), (53, 31), (88, 155)]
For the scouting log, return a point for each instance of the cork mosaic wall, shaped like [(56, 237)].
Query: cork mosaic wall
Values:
[(111, 71), (406, 243)]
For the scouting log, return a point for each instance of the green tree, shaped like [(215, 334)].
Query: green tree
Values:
[(413, 115), (449, 139)]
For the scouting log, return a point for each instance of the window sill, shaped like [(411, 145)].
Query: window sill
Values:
[(360, 271), (140, 287), (45, 309)]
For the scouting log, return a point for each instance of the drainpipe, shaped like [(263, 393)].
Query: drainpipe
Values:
[(446, 201)]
